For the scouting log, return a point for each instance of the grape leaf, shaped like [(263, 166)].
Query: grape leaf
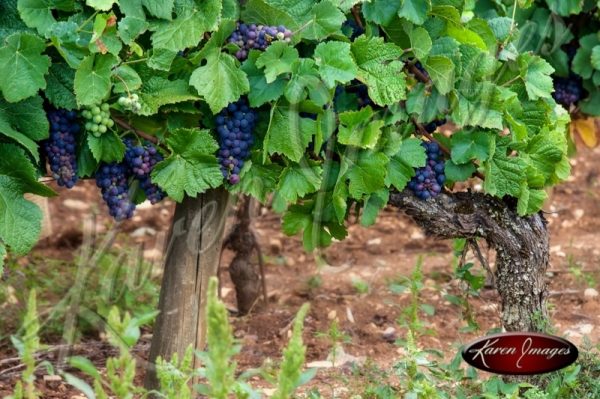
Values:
[(467, 146), (277, 60), (530, 200), (261, 92), (458, 173), (265, 12), (10, 21), (102, 5), (536, 74), (504, 174), (127, 80), (595, 57), (402, 166), (380, 69), (105, 39), (22, 66), (288, 134), (373, 204), (159, 91), (482, 109), (325, 19), (305, 78), (106, 148), (220, 81), (257, 180), (366, 173), (420, 42), (59, 90), (187, 29), (193, 168), (159, 8), (68, 42), (131, 27), (414, 10), (318, 229), (298, 180), (565, 7), (20, 220), (335, 62), (162, 59), (38, 13), (92, 79), (358, 130), (25, 122), (441, 71), (15, 164), (381, 12)]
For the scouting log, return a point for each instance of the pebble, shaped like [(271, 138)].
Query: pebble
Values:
[(275, 245), (143, 231), (389, 335), (76, 205), (152, 254), (590, 293), (374, 241)]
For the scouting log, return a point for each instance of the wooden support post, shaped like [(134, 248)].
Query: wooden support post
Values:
[(191, 258)]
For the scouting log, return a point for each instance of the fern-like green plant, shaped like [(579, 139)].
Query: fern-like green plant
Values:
[(290, 375), (219, 367), (27, 345), (174, 376)]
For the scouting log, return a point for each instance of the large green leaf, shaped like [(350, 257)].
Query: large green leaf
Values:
[(298, 180), (187, 29), (192, 168), (414, 10), (366, 173), (288, 133), (441, 70), (261, 92), (60, 86), (24, 122), (380, 69), (20, 220), (537, 75), (22, 66), (335, 62), (92, 79), (159, 91), (220, 81), (106, 148)]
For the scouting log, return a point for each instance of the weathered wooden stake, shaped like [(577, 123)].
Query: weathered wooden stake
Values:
[(191, 258)]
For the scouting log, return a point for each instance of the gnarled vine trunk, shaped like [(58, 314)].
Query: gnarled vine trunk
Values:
[(521, 245)]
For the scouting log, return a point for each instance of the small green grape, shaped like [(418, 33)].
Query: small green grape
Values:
[(105, 107), (94, 128), (102, 129), (96, 110), (97, 118)]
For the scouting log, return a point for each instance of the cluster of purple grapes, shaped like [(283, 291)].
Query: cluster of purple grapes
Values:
[(429, 180), (114, 184), (235, 125), (567, 91), (114, 178), (259, 37), (432, 126), (60, 148), (141, 160)]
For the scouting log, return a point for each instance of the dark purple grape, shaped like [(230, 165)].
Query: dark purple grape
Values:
[(60, 148), (252, 36), (235, 125), (429, 180), (114, 184), (141, 160), (567, 91)]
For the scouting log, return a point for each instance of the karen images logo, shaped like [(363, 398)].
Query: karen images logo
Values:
[(520, 353)]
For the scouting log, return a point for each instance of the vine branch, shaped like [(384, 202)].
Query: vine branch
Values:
[(140, 133)]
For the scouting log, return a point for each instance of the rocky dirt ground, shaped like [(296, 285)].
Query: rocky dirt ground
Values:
[(375, 258)]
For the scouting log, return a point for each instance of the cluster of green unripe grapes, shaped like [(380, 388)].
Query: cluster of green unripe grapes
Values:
[(131, 103), (97, 119)]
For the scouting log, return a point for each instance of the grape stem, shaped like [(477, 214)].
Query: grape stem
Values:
[(140, 133), (418, 74), (445, 150), (356, 15)]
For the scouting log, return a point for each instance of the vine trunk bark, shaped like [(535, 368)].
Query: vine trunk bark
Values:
[(191, 258), (521, 245)]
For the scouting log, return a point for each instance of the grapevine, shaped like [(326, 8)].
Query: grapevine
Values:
[(60, 148)]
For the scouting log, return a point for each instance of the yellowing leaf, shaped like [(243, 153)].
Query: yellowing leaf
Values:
[(586, 128)]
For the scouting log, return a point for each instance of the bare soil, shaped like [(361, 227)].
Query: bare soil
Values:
[(377, 256)]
